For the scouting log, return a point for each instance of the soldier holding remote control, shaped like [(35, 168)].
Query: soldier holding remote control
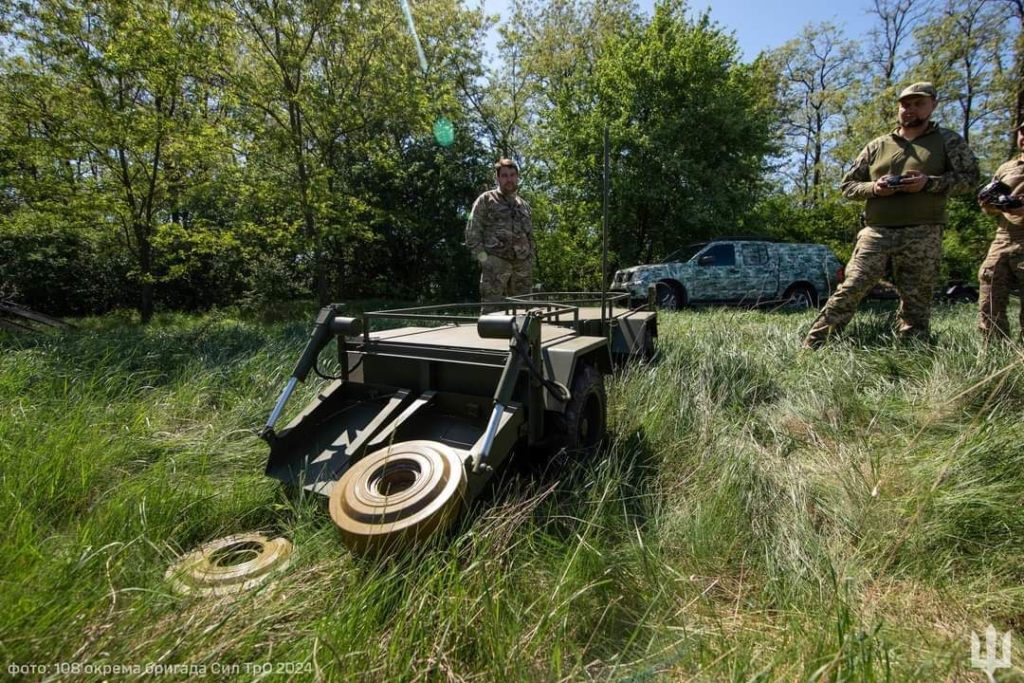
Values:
[(1002, 271), (904, 178)]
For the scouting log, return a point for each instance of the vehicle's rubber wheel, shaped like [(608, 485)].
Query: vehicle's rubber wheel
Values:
[(581, 428), (229, 565), (801, 297), (669, 296), (961, 294), (398, 495)]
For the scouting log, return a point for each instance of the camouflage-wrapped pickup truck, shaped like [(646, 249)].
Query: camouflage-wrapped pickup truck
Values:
[(737, 271)]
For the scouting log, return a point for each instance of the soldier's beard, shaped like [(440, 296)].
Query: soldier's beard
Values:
[(914, 123)]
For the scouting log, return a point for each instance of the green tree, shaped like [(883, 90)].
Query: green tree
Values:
[(818, 75), (961, 49), (502, 99), (331, 92), (889, 41), (690, 128), (112, 87), (1014, 10), (885, 63)]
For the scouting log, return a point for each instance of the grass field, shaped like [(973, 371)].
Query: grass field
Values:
[(760, 513)]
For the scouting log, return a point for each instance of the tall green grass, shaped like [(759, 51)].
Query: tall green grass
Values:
[(759, 513)]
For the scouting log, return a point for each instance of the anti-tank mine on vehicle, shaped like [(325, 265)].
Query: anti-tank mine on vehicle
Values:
[(431, 401)]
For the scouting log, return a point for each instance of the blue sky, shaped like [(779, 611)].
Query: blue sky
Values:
[(766, 24), (770, 23)]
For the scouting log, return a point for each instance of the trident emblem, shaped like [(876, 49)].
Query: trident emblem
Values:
[(993, 660)]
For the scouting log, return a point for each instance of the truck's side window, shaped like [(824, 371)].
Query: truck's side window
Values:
[(755, 254), (719, 255)]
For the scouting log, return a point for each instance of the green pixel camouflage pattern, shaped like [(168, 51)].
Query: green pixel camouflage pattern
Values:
[(761, 272), (905, 228), (961, 175), (914, 252), (1001, 273)]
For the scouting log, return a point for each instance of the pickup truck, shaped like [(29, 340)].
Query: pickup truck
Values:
[(737, 271)]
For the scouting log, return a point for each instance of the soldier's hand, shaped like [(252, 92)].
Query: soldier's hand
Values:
[(481, 256), (914, 181), (880, 189), (1019, 211)]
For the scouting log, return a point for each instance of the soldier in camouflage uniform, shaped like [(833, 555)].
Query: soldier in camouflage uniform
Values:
[(1002, 271), (500, 237), (905, 177)]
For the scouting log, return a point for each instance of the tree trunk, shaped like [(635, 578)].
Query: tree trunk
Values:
[(320, 280), (145, 273)]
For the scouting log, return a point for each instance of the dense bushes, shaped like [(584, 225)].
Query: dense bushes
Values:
[(56, 269)]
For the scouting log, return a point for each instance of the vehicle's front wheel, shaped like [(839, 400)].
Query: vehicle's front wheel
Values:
[(581, 428), (801, 297), (670, 296)]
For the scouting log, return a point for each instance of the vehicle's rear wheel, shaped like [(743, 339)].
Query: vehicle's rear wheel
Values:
[(397, 496), (961, 294), (801, 297), (670, 296), (581, 428)]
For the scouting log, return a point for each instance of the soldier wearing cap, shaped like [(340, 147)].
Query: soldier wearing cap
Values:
[(904, 178), (1002, 271), (500, 236)]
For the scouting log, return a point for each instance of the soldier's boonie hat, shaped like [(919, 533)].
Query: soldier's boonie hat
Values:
[(920, 88)]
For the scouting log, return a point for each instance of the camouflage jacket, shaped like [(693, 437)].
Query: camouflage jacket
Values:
[(938, 152), (500, 226), (1012, 173)]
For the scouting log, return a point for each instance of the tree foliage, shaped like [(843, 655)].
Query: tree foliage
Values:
[(192, 153), (687, 127)]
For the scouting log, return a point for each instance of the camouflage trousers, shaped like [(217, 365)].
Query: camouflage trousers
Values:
[(915, 253), (500, 278), (1001, 273)]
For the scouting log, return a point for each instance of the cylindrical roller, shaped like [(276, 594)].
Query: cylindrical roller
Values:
[(398, 495), (349, 327), (495, 326)]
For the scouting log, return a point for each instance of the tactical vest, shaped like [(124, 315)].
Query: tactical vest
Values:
[(895, 155)]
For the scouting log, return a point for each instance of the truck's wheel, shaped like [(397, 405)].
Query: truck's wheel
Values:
[(670, 296), (398, 495), (801, 297), (581, 428)]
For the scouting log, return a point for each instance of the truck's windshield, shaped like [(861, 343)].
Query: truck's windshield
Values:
[(684, 254)]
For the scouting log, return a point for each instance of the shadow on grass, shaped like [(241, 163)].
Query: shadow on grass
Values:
[(159, 353), (614, 486)]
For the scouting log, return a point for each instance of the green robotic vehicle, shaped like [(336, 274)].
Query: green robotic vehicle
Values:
[(429, 402)]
